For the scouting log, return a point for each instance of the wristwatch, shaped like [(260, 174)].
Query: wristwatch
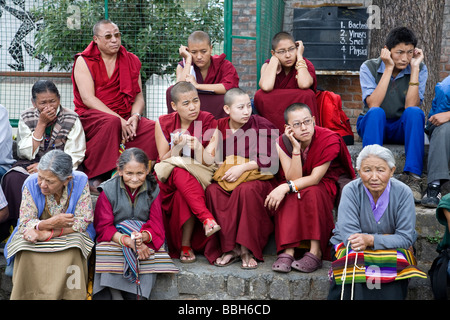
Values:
[(137, 114)]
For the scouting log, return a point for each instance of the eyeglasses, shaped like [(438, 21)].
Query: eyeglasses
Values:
[(109, 36), (298, 124), (284, 51)]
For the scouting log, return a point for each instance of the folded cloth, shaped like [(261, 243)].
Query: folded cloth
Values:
[(202, 173), (233, 160)]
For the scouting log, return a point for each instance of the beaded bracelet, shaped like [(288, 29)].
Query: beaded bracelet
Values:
[(293, 188)]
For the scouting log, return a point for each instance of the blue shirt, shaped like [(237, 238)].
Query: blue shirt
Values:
[(441, 101), (368, 84)]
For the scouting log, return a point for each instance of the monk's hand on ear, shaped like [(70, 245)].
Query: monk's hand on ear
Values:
[(184, 52), (300, 49), (290, 134)]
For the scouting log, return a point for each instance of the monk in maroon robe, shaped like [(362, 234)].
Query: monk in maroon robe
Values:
[(183, 197), (286, 78), (313, 159), (246, 224), (108, 98), (211, 75)]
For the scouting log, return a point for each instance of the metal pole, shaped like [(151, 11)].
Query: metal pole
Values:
[(228, 22), (106, 10)]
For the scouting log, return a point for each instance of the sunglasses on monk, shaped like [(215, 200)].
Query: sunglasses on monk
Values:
[(109, 36)]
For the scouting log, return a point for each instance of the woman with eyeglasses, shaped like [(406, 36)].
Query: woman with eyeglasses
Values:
[(286, 78), (312, 160)]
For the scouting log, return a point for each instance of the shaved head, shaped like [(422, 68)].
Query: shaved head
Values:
[(199, 36)]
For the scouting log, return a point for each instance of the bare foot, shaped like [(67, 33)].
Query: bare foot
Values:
[(227, 258)]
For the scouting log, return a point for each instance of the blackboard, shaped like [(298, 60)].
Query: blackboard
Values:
[(335, 38)]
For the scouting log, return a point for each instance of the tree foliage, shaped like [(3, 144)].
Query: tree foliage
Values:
[(152, 29)]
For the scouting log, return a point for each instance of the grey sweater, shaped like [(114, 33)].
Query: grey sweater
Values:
[(395, 229)]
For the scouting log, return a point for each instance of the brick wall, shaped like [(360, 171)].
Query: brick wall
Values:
[(244, 50)]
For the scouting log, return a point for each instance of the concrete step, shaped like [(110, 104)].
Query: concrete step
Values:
[(397, 150), (202, 281)]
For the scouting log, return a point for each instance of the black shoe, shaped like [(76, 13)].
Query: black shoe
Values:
[(432, 197)]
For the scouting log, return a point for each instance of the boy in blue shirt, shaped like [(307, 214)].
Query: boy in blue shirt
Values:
[(393, 87)]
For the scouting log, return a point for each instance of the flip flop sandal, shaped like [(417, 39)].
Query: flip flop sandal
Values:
[(214, 227), (308, 263), (186, 253), (246, 257), (283, 263), (233, 259)]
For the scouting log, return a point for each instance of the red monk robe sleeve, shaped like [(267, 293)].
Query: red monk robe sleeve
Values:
[(328, 153), (230, 78), (222, 71), (155, 225), (104, 219)]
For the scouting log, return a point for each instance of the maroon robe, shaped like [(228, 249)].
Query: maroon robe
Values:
[(241, 213), (310, 217), (220, 71), (104, 131), (271, 105), (182, 195)]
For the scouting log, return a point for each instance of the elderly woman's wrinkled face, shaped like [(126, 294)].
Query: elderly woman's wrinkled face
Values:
[(134, 174), (46, 99), (50, 183), (375, 174)]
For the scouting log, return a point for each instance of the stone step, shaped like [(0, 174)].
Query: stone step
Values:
[(202, 281), (397, 150)]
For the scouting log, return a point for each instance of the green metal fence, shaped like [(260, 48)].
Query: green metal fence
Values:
[(38, 39)]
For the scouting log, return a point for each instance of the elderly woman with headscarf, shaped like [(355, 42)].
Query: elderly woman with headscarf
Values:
[(51, 244), (374, 233)]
